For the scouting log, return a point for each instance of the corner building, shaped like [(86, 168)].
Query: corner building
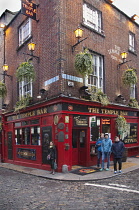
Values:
[(62, 114)]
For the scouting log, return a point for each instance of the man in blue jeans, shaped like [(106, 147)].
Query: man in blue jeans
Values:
[(106, 151), (98, 146)]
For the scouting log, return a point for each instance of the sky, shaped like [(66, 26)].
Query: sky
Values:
[(130, 7)]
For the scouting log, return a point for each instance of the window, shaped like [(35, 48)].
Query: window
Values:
[(24, 31), (92, 17), (132, 42), (132, 91), (25, 88), (96, 78), (27, 135)]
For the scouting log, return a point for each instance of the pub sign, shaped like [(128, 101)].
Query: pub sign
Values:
[(28, 8)]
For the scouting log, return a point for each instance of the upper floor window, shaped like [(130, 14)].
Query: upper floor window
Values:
[(132, 91), (96, 78), (25, 88), (132, 42), (92, 17), (24, 31)]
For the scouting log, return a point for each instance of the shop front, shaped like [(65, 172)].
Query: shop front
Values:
[(74, 126)]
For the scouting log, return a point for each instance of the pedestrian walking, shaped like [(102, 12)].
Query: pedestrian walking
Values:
[(52, 156), (98, 148), (117, 150), (106, 151)]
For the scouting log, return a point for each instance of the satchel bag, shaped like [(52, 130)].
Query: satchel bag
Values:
[(48, 157), (55, 165)]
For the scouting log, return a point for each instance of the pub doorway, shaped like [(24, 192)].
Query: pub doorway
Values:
[(79, 146)]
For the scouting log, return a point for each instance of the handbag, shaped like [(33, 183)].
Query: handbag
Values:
[(48, 157), (55, 165)]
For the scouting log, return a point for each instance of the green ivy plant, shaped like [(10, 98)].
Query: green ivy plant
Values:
[(84, 63), (3, 90), (25, 71), (22, 103), (98, 95), (121, 124), (129, 77), (133, 103)]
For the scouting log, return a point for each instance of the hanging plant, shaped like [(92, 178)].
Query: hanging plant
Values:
[(84, 63), (121, 124), (98, 95), (133, 103), (22, 103), (129, 77), (3, 90), (25, 71)]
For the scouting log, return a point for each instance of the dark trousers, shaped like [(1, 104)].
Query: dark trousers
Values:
[(99, 154), (52, 163), (119, 161)]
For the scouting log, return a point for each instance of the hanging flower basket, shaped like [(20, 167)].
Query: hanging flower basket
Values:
[(3, 90), (98, 95), (84, 63), (22, 103), (133, 103), (25, 71), (121, 124), (129, 77)]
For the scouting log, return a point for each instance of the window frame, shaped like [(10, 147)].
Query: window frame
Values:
[(97, 73), (96, 18), (22, 31), (132, 42), (24, 90)]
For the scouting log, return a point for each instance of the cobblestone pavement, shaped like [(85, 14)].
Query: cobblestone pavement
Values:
[(19, 191)]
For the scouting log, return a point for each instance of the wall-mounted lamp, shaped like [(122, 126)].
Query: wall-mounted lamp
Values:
[(5, 69), (111, 1), (78, 34), (42, 92), (31, 47), (4, 106), (134, 17), (2, 25), (123, 56)]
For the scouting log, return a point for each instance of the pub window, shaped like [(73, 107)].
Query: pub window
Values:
[(35, 135), (94, 128), (25, 123), (132, 42), (18, 136), (24, 31), (106, 125), (92, 17), (35, 121), (96, 78), (26, 135), (17, 124)]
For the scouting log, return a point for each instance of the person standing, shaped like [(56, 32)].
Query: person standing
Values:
[(106, 151), (52, 154), (98, 147), (117, 150)]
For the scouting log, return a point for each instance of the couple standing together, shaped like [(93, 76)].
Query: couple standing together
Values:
[(105, 147)]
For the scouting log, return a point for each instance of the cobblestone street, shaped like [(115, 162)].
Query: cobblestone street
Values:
[(21, 191)]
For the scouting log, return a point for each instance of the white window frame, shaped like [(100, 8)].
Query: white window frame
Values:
[(24, 31), (92, 17), (132, 91), (132, 42), (25, 88), (96, 79)]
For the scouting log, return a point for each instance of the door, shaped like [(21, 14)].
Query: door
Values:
[(79, 143), (10, 146), (46, 138)]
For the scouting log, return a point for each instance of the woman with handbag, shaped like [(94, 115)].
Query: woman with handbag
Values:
[(52, 154)]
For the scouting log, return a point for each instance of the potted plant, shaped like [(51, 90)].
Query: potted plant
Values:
[(25, 71), (23, 103), (3, 90), (129, 77), (84, 63), (133, 103)]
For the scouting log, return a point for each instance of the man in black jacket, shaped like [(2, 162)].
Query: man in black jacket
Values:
[(117, 149)]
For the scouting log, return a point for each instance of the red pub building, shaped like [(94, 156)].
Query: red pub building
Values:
[(58, 111)]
